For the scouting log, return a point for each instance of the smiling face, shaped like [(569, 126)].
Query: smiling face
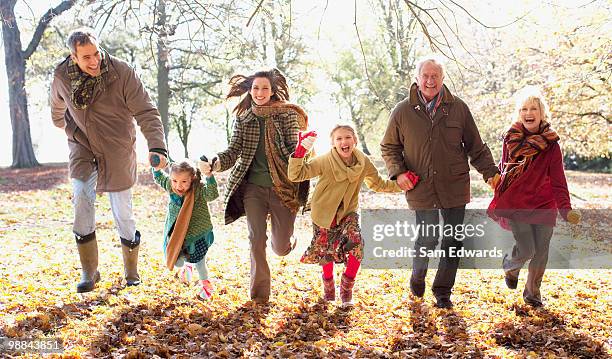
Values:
[(261, 90), (181, 182), (530, 115), (430, 80), (87, 56), (344, 142)]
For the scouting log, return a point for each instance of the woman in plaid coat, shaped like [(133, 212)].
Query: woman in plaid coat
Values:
[(264, 136)]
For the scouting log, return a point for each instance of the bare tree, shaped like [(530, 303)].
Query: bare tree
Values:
[(15, 58), (191, 46)]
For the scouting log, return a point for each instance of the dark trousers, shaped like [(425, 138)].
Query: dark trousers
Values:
[(447, 270)]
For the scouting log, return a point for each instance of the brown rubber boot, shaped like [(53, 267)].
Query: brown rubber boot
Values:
[(129, 250), (88, 254)]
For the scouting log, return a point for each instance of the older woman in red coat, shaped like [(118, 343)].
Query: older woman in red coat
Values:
[(531, 190)]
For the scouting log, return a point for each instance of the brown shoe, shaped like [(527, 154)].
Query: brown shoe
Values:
[(346, 291), (329, 289)]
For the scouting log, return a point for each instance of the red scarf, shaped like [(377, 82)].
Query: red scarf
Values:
[(522, 147)]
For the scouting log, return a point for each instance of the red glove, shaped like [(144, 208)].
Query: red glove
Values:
[(301, 151), (414, 179)]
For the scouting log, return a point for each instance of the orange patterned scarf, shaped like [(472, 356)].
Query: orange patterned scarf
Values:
[(523, 146), (277, 107), (177, 238), (293, 195)]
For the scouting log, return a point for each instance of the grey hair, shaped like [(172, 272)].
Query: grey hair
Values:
[(81, 36), (436, 60)]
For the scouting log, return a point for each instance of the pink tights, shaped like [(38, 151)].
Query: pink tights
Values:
[(352, 266)]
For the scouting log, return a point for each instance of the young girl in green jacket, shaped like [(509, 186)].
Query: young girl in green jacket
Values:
[(188, 229), (337, 236)]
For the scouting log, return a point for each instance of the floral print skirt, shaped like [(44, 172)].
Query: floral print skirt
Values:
[(336, 243)]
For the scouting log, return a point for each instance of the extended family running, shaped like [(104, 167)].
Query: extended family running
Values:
[(430, 137)]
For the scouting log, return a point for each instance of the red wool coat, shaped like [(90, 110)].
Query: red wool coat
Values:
[(537, 194)]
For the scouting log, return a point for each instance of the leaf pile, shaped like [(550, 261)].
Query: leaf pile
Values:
[(163, 318)]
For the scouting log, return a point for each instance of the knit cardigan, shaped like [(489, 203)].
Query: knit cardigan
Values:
[(200, 223), (337, 190)]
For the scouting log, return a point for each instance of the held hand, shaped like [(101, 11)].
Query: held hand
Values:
[(215, 165), (157, 160), (205, 168), (493, 182), (574, 216), (407, 180)]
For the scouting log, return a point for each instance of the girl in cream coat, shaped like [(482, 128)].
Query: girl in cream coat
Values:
[(337, 236)]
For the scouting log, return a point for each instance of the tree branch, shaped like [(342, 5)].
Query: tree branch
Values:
[(365, 63), (321, 21), (43, 23), (584, 114), (254, 12), (487, 26)]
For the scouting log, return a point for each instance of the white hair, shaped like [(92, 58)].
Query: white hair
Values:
[(528, 94), (436, 60)]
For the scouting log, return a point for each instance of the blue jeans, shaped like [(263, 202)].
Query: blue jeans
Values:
[(84, 198)]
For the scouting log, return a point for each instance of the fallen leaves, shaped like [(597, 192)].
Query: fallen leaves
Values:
[(162, 318)]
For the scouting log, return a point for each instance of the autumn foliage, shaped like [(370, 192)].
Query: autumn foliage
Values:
[(163, 318)]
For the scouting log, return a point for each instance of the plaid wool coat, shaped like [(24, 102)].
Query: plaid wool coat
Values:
[(241, 152)]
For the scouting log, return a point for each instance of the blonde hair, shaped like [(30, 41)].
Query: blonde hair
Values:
[(186, 165), (343, 127), (531, 94)]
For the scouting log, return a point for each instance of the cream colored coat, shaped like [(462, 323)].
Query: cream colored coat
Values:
[(337, 190)]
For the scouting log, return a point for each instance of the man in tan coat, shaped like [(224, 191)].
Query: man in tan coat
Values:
[(432, 134), (95, 98)]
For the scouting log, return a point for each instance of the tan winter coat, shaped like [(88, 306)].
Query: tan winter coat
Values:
[(103, 135), (437, 151), (337, 191)]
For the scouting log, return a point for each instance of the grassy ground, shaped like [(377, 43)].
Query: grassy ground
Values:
[(39, 270)]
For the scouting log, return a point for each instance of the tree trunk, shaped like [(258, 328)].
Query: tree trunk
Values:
[(228, 126), (15, 59), (163, 88), (23, 152), (362, 140), (358, 121)]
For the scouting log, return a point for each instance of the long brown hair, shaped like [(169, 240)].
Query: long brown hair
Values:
[(240, 84)]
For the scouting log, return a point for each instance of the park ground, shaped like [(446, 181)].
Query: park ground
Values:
[(161, 318)]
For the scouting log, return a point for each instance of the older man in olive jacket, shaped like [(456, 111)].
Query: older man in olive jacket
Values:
[(95, 98), (432, 134)]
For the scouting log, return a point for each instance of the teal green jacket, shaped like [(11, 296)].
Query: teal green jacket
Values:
[(200, 225)]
